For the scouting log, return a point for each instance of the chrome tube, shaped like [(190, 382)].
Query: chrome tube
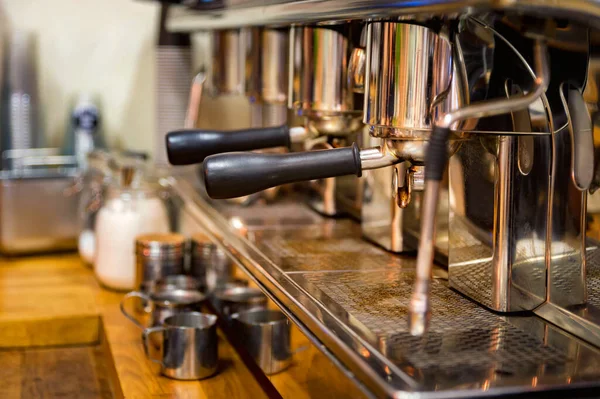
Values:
[(274, 71), (502, 106), (274, 76), (319, 61), (419, 309), (266, 71), (227, 74)]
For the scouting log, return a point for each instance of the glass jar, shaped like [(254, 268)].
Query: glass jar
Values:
[(92, 184), (103, 169), (126, 214)]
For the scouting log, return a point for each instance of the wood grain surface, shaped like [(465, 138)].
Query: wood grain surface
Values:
[(55, 300), (312, 374), (74, 372), (46, 301)]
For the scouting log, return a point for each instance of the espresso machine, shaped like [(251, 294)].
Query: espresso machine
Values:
[(465, 129), (321, 104)]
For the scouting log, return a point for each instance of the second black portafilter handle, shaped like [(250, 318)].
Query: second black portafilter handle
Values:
[(238, 174), (187, 147)]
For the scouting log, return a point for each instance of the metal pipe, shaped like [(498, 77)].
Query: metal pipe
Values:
[(504, 105), (298, 134), (419, 308)]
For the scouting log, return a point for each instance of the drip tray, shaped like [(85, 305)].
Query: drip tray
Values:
[(353, 297)]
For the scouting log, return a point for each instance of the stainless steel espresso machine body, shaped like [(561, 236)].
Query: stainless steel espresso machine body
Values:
[(478, 153)]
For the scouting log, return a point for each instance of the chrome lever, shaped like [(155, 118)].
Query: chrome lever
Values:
[(582, 139)]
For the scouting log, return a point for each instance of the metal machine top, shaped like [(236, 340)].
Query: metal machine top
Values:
[(220, 14)]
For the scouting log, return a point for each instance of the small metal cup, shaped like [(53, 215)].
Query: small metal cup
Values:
[(266, 335), (174, 282), (163, 303), (234, 282), (238, 299), (189, 346), (209, 263), (179, 282), (158, 256)]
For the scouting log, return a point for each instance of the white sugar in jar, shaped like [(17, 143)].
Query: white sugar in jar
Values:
[(127, 213)]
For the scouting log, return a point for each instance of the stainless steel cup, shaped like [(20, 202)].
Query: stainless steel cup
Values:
[(174, 282), (209, 263), (158, 256), (179, 282), (234, 282), (238, 299), (189, 346), (266, 335), (162, 304)]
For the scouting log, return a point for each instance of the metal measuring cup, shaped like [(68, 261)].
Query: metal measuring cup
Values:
[(266, 335), (163, 303), (189, 346)]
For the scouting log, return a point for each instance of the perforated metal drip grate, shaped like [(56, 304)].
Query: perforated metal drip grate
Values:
[(470, 271), (566, 273), (593, 277), (279, 215), (474, 280), (361, 293), (460, 236), (463, 337), (342, 261), (503, 349), (288, 247), (470, 254)]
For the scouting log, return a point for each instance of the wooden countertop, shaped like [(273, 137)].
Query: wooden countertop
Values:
[(55, 300)]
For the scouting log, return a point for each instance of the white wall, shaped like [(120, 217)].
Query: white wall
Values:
[(102, 47)]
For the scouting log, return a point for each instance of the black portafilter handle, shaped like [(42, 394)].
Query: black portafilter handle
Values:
[(238, 174), (187, 147)]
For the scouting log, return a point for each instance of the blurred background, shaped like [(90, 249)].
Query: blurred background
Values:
[(104, 48)]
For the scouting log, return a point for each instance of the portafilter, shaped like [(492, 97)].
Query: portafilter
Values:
[(410, 76), (325, 85), (251, 62)]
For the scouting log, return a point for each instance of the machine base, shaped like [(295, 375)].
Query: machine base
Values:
[(353, 298)]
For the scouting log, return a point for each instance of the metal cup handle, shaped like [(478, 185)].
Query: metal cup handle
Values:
[(145, 340), (134, 294)]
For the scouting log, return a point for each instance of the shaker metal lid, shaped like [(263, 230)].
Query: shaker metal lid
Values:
[(178, 282), (160, 244), (200, 241)]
